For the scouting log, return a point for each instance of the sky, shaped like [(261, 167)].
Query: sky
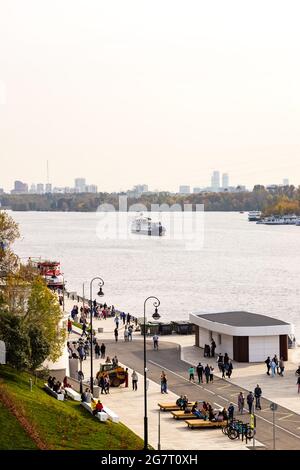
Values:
[(160, 92)]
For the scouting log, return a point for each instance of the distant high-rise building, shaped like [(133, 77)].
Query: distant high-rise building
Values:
[(40, 188), (286, 182), (48, 188), (197, 190), (80, 185), (215, 180), (20, 187), (1, 191), (184, 189), (225, 181), (32, 189), (91, 188), (140, 188)]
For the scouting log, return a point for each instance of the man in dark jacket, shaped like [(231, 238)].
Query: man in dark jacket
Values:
[(250, 399), (200, 372), (268, 364), (257, 394)]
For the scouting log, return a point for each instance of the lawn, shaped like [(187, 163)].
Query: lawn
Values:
[(13, 436), (60, 425)]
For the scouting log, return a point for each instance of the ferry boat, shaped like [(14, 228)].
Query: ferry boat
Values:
[(145, 226), (254, 216), (290, 219), (50, 271)]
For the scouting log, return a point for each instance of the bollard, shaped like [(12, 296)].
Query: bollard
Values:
[(30, 384)]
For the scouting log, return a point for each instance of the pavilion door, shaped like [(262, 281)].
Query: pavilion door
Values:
[(241, 348)]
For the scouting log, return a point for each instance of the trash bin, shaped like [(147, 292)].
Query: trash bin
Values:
[(152, 328), (165, 328), (183, 328)]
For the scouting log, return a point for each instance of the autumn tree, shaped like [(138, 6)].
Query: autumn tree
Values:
[(43, 310)]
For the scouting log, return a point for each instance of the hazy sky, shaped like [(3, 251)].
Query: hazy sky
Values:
[(159, 91)]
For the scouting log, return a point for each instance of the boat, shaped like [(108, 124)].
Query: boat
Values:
[(145, 226), (50, 271), (254, 216), (291, 219)]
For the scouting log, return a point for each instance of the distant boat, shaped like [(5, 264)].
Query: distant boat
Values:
[(50, 271), (242, 212), (145, 226), (254, 216)]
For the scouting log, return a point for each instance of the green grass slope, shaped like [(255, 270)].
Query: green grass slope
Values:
[(58, 425)]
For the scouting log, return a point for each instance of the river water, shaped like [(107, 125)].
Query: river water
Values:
[(211, 262)]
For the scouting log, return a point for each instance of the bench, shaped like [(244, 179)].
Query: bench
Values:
[(182, 415), (102, 416), (172, 406), (73, 394), (58, 396), (201, 423), (111, 415)]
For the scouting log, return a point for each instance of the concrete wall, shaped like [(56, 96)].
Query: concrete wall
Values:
[(204, 337), (226, 345), (260, 347)]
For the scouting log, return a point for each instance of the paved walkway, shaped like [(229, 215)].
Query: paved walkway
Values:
[(220, 393)]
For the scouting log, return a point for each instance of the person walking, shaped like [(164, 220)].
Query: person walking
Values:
[(250, 400), (230, 412), (130, 330), (241, 402), (268, 364), (163, 383), (69, 326), (97, 351), (84, 329), (116, 334), (155, 342), (298, 383), (134, 378), (213, 348), (230, 368), (222, 369), (281, 367), (211, 373), (125, 334), (257, 394), (102, 350), (200, 373), (126, 377), (273, 367), (191, 374), (207, 373)]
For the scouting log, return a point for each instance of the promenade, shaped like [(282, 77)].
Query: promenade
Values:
[(175, 360)]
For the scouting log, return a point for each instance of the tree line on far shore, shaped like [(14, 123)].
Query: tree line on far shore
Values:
[(279, 200)]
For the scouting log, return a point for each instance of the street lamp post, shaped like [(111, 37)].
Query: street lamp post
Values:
[(155, 316), (100, 293)]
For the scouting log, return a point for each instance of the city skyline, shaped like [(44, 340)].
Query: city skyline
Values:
[(116, 91), (219, 182)]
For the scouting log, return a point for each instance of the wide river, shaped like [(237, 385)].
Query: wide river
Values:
[(220, 263)]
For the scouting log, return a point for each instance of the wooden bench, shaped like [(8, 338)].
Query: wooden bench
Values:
[(182, 415), (201, 423), (73, 394), (172, 406), (58, 396), (102, 416), (111, 415)]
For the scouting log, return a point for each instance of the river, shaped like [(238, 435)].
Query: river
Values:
[(230, 264)]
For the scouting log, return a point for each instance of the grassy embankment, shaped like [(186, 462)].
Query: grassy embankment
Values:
[(33, 419)]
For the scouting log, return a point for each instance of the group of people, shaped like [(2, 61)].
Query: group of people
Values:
[(96, 405), (209, 350), (225, 365), (207, 372), (57, 386), (202, 410), (275, 366)]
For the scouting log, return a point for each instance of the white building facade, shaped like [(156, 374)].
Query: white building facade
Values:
[(244, 336)]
